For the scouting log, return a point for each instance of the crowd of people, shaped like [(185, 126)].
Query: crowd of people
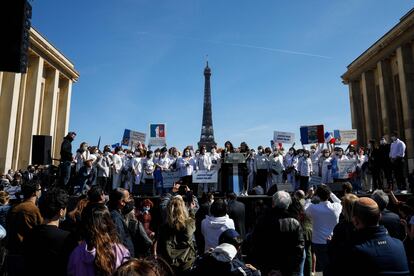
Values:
[(299, 234), (102, 229), (140, 170)]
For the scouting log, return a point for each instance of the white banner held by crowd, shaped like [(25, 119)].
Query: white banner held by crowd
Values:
[(284, 137), (204, 176)]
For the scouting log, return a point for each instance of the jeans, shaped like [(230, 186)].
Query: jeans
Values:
[(65, 168)]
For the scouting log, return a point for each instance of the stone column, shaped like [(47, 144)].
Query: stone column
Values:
[(370, 105), (63, 113), (19, 121), (406, 77), (357, 110), (49, 103), (8, 105), (386, 89), (30, 110)]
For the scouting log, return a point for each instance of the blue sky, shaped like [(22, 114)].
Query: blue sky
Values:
[(276, 65)]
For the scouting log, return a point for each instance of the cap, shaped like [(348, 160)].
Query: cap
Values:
[(230, 236)]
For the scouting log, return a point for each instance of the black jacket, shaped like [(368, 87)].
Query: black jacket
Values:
[(123, 231), (278, 243), (237, 213), (66, 150)]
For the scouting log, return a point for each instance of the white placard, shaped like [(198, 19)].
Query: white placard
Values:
[(347, 136), (283, 137), (204, 176), (345, 168)]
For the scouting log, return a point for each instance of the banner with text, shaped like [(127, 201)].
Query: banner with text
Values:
[(132, 138), (158, 135), (203, 176), (346, 168), (345, 137), (169, 178), (283, 137)]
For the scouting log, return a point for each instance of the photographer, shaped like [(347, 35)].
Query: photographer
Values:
[(190, 200)]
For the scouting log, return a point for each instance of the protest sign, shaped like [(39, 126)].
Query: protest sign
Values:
[(132, 138), (315, 181), (204, 176), (312, 134), (346, 168), (345, 137), (169, 178), (157, 135), (283, 137)]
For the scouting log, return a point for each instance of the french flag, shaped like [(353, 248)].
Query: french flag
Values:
[(329, 138)]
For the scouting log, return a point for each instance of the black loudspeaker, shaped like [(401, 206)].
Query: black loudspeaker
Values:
[(41, 150), (15, 24)]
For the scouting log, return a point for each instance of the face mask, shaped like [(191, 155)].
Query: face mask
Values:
[(306, 155), (146, 209), (301, 154), (383, 142), (291, 152), (62, 219), (84, 148), (120, 152), (106, 153), (128, 207), (187, 153), (351, 153), (213, 151), (326, 154)]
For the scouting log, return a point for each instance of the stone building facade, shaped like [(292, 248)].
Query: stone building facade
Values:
[(35, 103), (381, 87)]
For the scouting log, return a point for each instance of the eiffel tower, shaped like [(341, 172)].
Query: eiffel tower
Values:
[(207, 132)]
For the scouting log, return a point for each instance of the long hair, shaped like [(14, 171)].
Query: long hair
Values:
[(100, 232), (177, 214), (348, 206), (76, 213)]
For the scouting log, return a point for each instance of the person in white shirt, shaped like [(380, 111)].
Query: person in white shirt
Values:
[(338, 156), (305, 170), (81, 155), (261, 167), (104, 163), (325, 167), (128, 178), (148, 168), (137, 167), (291, 165), (276, 167), (360, 170), (325, 216), (204, 164), (215, 159), (173, 155), (162, 164), (117, 168), (397, 154), (212, 226), (186, 165)]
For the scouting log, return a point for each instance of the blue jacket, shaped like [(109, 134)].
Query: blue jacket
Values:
[(375, 252)]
